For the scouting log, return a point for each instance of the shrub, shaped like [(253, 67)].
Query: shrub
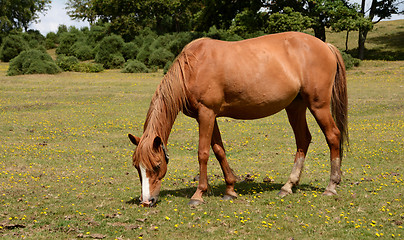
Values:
[(87, 67), (32, 62), (96, 33), (160, 57), (143, 54), (179, 42), (108, 52), (61, 29), (12, 46), (51, 40), (117, 61), (49, 44), (135, 66), (66, 63), (349, 60), (66, 42), (82, 51), (130, 50), (222, 34), (161, 41)]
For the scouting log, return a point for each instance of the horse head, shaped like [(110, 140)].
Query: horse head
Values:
[(150, 159)]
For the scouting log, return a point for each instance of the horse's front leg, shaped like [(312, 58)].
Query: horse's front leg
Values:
[(206, 120)]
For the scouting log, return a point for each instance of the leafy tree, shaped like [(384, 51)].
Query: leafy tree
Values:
[(220, 13), (288, 20), (81, 10), (19, 14), (379, 10), (352, 21), (322, 13), (248, 21)]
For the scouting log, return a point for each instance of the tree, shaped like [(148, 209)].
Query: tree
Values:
[(381, 9), (323, 13), (351, 21), (288, 20), (19, 14), (128, 17), (248, 21), (81, 10), (220, 13)]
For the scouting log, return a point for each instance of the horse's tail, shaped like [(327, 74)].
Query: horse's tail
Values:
[(339, 99)]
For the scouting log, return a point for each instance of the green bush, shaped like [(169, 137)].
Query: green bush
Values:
[(160, 57), (222, 34), (117, 61), (82, 51), (66, 63), (67, 40), (49, 44), (179, 42), (12, 46), (61, 30), (143, 54), (87, 67), (32, 62), (97, 33), (109, 52), (135, 66), (130, 50), (51, 40), (350, 61)]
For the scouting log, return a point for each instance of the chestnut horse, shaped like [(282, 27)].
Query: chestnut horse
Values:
[(248, 79)]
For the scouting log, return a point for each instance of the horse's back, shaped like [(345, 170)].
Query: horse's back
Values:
[(256, 77)]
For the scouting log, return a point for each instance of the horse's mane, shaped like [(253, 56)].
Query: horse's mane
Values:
[(169, 98)]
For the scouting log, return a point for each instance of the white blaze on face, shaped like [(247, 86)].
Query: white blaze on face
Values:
[(145, 184)]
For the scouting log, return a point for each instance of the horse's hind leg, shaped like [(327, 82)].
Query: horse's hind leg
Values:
[(333, 135), (218, 149), (297, 117)]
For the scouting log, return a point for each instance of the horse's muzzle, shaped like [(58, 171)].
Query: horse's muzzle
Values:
[(152, 201)]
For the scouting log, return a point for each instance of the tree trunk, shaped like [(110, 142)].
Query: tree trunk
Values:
[(346, 41), (319, 32), (362, 35), (361, 43)]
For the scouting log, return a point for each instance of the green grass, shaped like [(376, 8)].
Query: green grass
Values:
[(65, 165)]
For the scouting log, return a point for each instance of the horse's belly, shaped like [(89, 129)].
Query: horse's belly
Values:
[(253, 110)]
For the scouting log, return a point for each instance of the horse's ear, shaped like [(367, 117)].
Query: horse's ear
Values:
[(135, 140), (157, 142)]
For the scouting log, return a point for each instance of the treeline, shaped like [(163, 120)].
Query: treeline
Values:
[(145, 35)]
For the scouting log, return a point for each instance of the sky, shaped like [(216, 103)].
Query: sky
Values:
[(57, 15)]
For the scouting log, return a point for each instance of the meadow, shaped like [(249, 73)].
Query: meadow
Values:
[(66, 171)]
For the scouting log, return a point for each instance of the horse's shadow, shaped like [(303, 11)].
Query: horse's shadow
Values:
[(244, 188)]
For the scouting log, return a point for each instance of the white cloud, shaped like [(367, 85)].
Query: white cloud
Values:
[(54, 17)]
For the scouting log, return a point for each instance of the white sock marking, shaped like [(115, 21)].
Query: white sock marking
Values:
[(145, 185)]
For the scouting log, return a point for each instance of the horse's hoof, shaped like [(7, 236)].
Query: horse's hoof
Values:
[(329, 193), (227, 197), (282, 193), (194, 202)]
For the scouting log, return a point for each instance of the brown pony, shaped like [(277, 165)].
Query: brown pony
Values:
[(247, 79)]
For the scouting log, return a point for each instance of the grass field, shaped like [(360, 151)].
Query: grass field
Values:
[(66, 172)]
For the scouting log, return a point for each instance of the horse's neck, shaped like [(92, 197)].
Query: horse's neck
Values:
[(160, 120)]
